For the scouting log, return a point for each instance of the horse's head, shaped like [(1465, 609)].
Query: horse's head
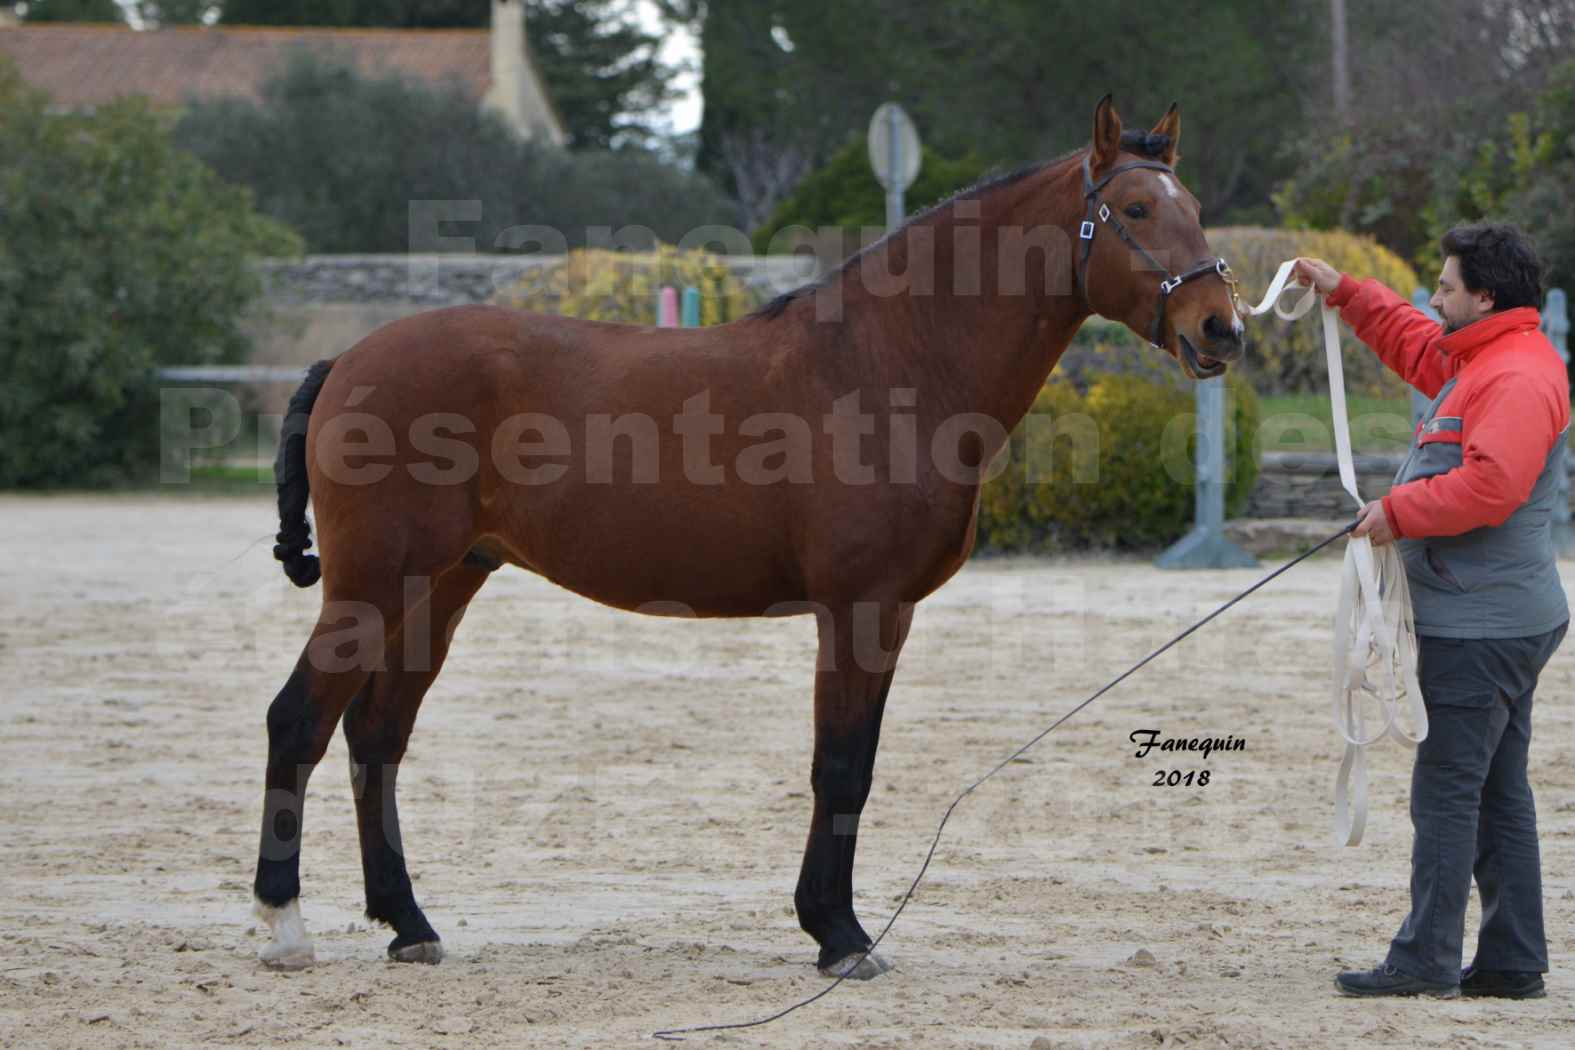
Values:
[(1141, 256)]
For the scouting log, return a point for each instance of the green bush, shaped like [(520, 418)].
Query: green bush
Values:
[(118, 253), (1110, 468), (1287, 357), (1543, 158), (846, 194), (343, 157), (73, 11), (622, 286), (1503, 154)]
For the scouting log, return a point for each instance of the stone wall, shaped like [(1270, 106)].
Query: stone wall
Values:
[(1307, 485), (428, 281), (322, 305), (417, 280)]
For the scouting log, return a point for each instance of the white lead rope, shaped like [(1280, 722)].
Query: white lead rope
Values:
[(1374, 636)]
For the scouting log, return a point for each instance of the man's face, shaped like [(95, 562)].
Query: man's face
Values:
[(1454, 303)]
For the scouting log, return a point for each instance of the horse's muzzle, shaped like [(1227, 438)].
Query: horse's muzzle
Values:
[(1222, 340)]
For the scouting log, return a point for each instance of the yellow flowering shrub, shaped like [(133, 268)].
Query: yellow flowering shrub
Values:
[(600, 285)]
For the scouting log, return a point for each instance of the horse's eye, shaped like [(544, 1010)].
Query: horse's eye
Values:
[(1136, 211)]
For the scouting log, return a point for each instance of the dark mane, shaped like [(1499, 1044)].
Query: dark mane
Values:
[(772, 310), (1142, 143)]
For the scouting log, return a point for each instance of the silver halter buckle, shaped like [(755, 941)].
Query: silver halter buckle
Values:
[(1170, 286), (1085, 232)]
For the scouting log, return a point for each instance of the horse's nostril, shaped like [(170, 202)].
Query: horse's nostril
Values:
[(1215, 329)]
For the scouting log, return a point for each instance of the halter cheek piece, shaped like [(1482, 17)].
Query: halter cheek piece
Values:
[(1098, 209)]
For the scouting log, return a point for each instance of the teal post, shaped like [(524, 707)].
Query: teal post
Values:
[(1419, 401), (691, 307), (1556, 325), (1207, 546)]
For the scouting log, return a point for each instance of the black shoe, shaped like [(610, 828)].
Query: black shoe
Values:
[(1386, 980), (1501, 984)]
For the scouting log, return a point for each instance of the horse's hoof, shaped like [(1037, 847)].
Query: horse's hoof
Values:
[(857, 967), (429, 952), (287, 956)]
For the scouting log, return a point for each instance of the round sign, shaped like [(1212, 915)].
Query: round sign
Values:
[(894, 147)]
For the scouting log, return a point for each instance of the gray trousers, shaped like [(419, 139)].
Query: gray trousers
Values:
[(1472, 809)]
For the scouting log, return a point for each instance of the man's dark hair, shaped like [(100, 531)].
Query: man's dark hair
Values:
[(1498, 259)]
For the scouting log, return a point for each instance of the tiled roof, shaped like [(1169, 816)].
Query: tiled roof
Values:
[(85, 65)]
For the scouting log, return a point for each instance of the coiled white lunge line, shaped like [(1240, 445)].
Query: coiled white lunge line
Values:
[(1374, 636)]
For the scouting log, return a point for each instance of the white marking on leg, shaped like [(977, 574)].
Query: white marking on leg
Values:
[(1170, 187), (291, 946)]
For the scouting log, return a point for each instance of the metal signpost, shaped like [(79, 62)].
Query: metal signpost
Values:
[(1556, 326), (1207, 546), (895, 156), (1419, 401)]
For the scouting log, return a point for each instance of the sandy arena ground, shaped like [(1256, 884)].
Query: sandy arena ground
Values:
[(605, 813)]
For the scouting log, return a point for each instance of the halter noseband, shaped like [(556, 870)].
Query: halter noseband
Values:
[(1098, 209)]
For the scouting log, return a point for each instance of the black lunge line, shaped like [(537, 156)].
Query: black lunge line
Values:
[(677, 1034)]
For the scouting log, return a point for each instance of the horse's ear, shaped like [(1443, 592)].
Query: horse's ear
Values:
[(1170, 124), (1107, 134)]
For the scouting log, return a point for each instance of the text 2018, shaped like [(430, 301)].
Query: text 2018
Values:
[(1175, 777)]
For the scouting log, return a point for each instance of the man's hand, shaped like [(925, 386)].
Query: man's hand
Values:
[(1374, 524), (1317, 273)]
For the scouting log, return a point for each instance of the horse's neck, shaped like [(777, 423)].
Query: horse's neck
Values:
[(968, 343)]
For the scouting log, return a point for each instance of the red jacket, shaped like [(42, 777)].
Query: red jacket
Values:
[(1511, 393)]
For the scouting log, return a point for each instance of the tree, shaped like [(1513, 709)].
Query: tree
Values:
[(344, 157), (785, 84), (118, 253), (1542, 159), (1016, 85), (782, 85), (176, 12), (341, 156), (845, 194), (1428, 145), (602, 70), (1340, 60), (73, 11), (288, 12), (391, 14)]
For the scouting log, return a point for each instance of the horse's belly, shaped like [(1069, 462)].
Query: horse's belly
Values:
[(660, 555)]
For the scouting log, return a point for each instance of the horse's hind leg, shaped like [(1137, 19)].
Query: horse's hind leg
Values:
[(347, 644), (377, 727), (301, 721)]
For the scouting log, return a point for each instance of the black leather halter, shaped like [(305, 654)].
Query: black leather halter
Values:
[(1098, 209)]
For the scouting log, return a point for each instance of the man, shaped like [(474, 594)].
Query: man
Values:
[(1471, 508)]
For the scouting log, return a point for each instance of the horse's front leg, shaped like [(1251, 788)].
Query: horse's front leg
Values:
[(858, 657)]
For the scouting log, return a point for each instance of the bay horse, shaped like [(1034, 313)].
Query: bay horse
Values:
[(449, 444)]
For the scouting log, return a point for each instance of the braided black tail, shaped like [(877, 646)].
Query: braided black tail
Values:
[(289, 476)]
